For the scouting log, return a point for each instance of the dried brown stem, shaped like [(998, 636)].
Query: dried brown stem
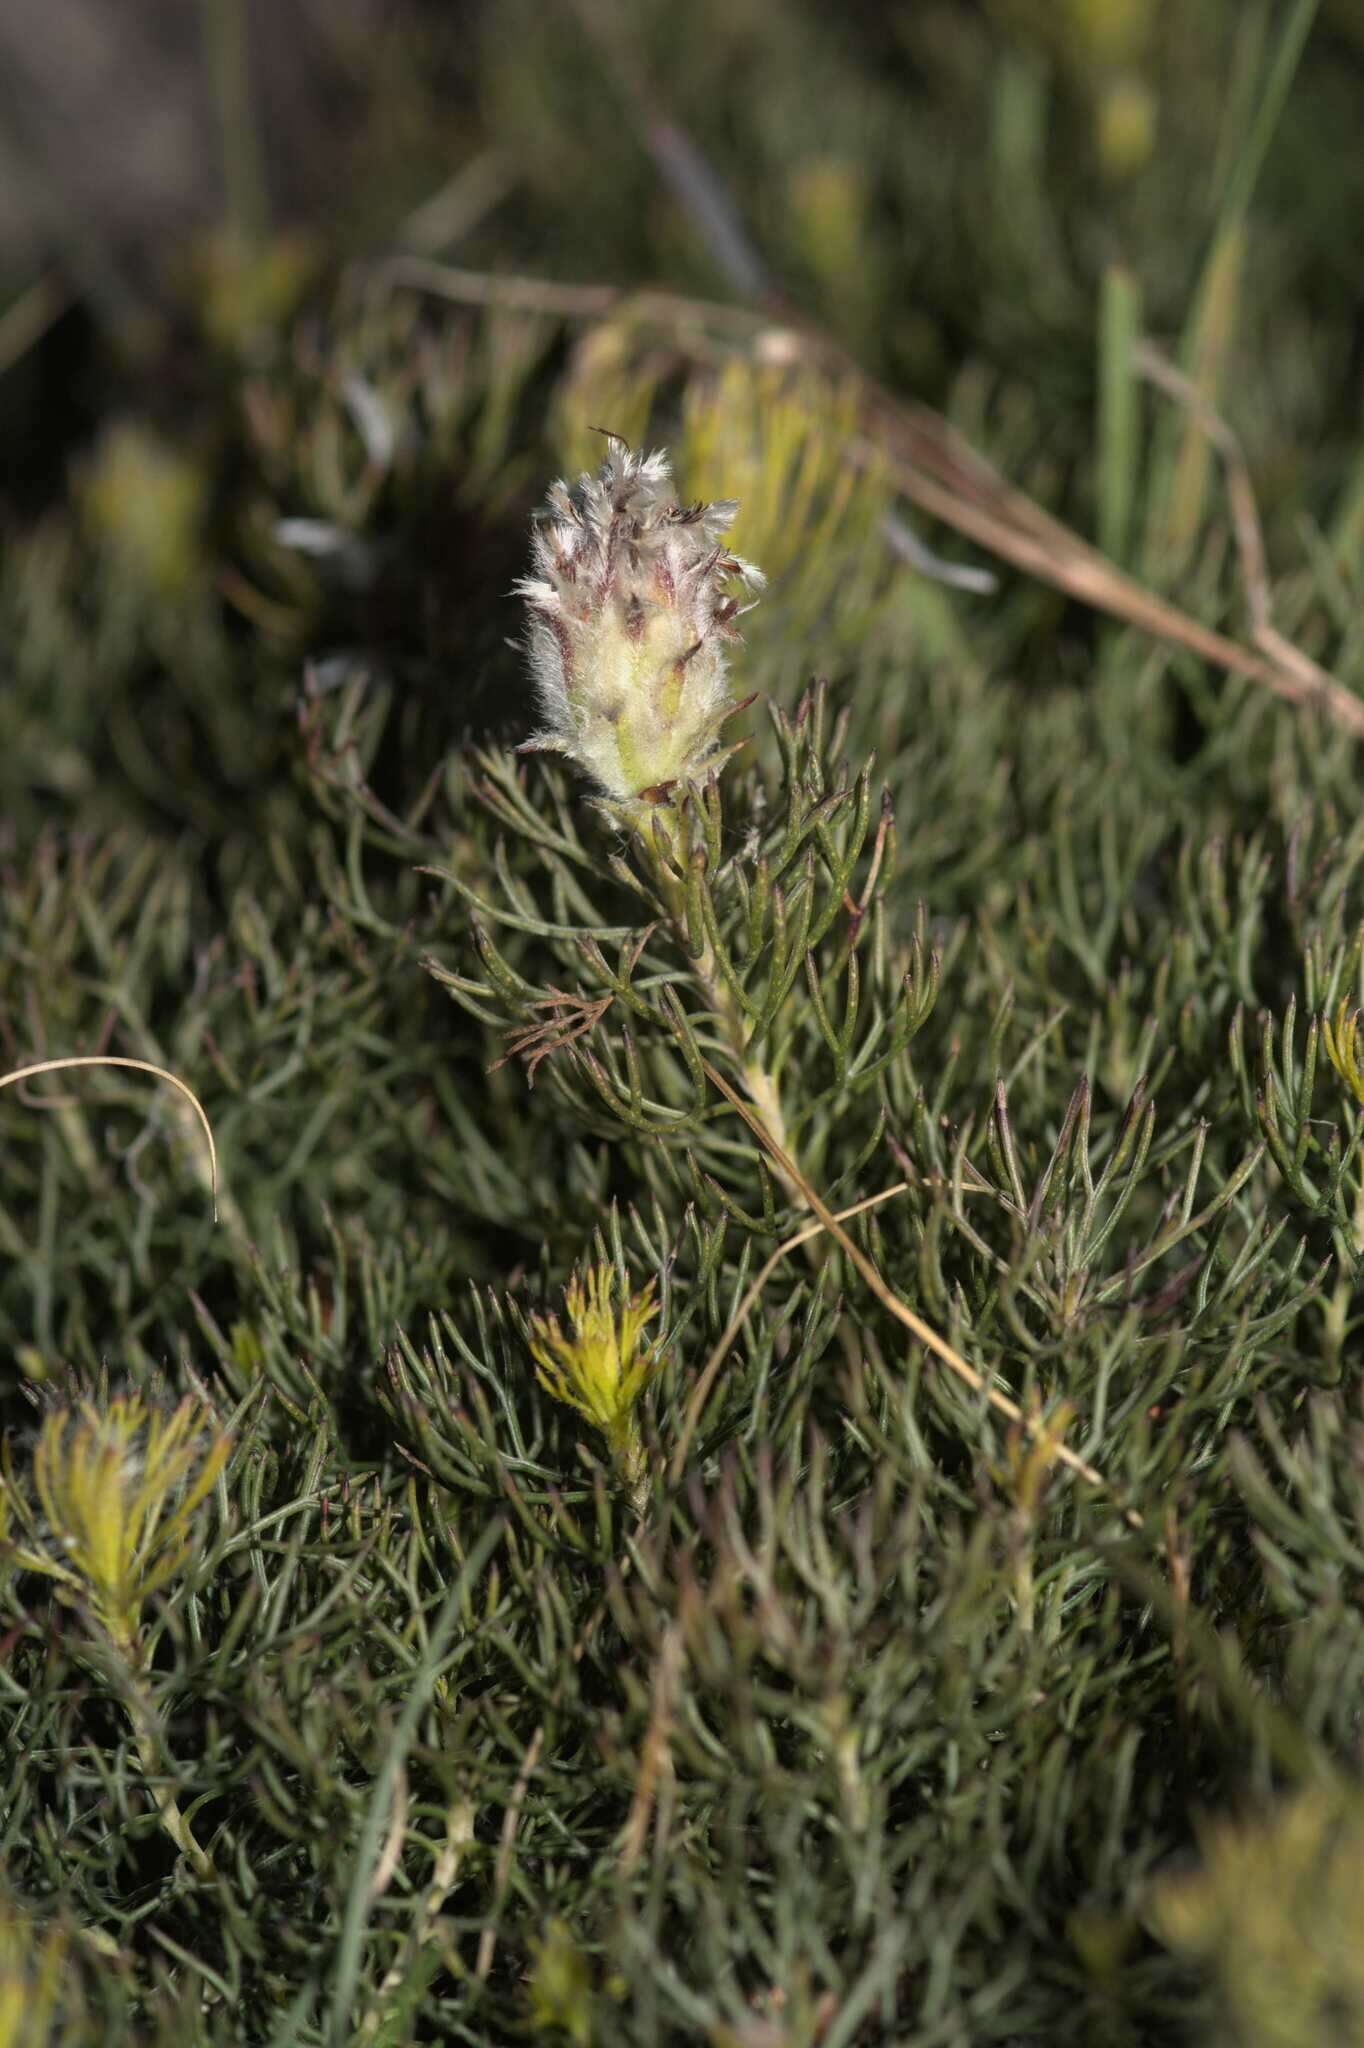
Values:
[(1291, 672), (655, 1762), (915, 1324), (929, 463), (506, 1849)]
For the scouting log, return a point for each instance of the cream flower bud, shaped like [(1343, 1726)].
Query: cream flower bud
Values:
[(630, 610)]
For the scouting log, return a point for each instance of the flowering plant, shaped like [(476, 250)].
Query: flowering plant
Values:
[(631, 611)]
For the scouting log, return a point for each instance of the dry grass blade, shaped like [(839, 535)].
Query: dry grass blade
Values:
[(1292, 673), (391, 1855), (487, 1941), (932, 467), (930, 463), (736, 1322), (915, 1324), (140, 1066), (940, 473), (655, 1760)]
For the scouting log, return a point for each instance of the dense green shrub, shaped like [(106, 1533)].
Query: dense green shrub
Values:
[(493, 1581)]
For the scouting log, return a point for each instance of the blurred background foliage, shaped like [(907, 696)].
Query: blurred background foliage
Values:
[(945, 1740)]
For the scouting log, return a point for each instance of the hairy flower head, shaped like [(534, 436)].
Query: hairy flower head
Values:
[(631, 609)]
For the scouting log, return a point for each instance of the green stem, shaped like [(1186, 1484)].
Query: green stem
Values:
[(151, 1756), (627, 1448), (760, 1084)]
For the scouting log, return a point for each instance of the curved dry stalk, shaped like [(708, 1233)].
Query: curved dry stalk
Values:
[(915, 1324), (655, 1763), (141, 1066), (391, 1855), (929, 462), (506, 1850), (932, 467), (511, 291), (697, 1402), (1293, 674)]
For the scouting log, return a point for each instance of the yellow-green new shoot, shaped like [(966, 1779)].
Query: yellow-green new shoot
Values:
[(603, 1366), (118, 1487)]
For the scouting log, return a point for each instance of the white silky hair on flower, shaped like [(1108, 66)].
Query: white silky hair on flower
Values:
[(631, 609)]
